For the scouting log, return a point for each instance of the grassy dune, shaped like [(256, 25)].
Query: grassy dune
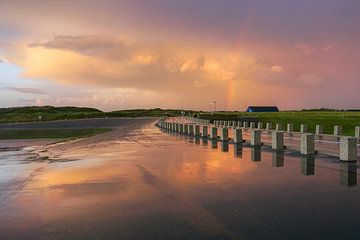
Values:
[(48, 113)]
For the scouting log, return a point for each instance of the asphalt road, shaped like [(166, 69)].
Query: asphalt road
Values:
[(78, 123)]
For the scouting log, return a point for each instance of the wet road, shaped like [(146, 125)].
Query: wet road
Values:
[(139, 182)]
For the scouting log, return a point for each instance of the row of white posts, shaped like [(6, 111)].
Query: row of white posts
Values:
[(348, 145), (278, 127)]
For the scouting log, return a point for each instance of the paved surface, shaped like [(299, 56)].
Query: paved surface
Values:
[(80, 123)]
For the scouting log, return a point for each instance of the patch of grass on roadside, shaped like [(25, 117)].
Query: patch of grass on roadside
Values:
[(50, 133), (348, 120)]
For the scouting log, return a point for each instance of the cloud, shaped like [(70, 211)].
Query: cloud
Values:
[(4, 60), (177, 70), (118, 63), (26, 90), (277, 69), (305, 48)]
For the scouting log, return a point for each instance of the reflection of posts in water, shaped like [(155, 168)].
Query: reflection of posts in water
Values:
[(308, 165), (256, 154), (238, 150), (197, 140), (214, 144), (348, 174), (278, 158), (224, 146), (204, 141)]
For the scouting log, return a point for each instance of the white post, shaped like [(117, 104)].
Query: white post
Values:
[(337, 130), (204, 131), (319, 129), (357, 131), (224, 134), (278, 127), (260, 125), (196, 130), (238, 135), (307, 143), (191, 129), (268, 126), (186, 129), (277, 140), (290, 127), (348, 149), (252, 125), (213, 133), (303, 128), (256, 137)]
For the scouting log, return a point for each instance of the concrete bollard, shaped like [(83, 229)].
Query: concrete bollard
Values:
[(238, 135), (303, 128), (260, 125), (245, 125), (337, 130), (181, 128), (204, 131), (191, 129), (186, 129), (278, 127), (213, 133), (224, 134), (307, 144), (252, 125), (290, 128), (348, 149), (197, 131), (256, 137), (268, 126), (277, 140), (319, 129), (234, 124)]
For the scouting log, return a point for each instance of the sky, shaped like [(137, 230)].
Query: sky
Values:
[(122, 54)]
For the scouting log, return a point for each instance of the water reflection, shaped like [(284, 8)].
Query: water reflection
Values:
[(224, 146), (214, 143), (238, 150), (278, 158), (308, 165), (205, 141), (256, 154), (348, 174), (197, 140)]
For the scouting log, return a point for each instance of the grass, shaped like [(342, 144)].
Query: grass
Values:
[(50, 133), (347, 119)]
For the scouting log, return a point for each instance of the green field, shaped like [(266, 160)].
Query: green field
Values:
[(50, 133), (347, 119)]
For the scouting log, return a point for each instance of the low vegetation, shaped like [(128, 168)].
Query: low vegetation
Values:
[(48, 113)]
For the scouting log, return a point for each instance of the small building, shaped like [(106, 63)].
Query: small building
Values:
[(262, 109)]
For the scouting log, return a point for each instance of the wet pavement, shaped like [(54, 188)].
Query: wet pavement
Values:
[(144, 183)]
